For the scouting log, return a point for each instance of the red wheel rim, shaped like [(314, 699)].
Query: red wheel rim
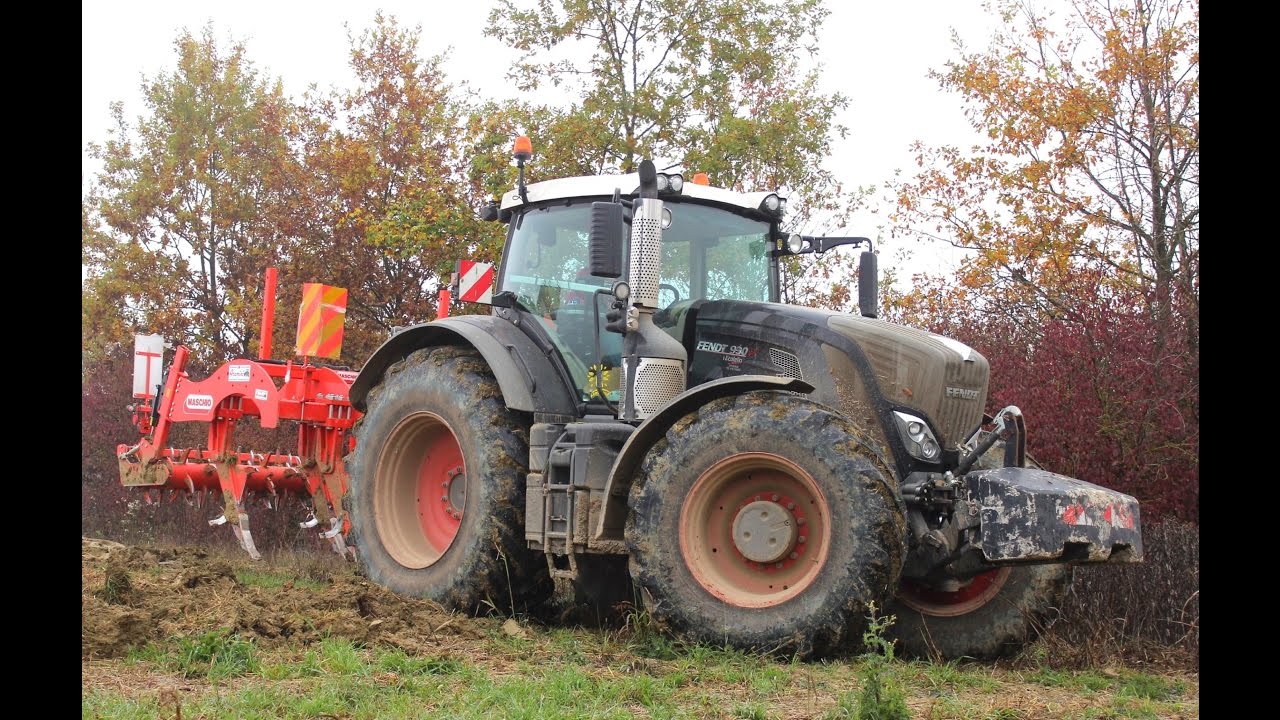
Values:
[(419, 490), (754, 530), (975, 593)]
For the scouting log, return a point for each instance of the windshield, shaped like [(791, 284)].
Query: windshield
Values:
[(707, 254)]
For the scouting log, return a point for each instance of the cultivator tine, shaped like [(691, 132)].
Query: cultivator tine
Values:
[(335, 537), (220, 520), (310, 522), (245, 536), (335, 528)]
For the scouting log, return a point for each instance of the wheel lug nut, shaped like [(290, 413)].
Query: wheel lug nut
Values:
[(444, 498), (791, 506), (779, 566), (445, 485), (795, 555), (802, 538), (774, 497), (800, 521)]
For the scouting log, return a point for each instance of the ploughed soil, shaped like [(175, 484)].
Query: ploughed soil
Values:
[(132, 596)]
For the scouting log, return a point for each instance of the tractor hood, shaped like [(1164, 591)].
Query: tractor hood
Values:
[(866, 367)]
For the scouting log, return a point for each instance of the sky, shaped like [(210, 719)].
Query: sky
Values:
[(875, 53)]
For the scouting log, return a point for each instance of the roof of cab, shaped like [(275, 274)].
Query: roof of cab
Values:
[(628, 185)]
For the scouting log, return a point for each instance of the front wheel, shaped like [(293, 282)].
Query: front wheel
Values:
[(994, 614), (437, 487), (764, 522)]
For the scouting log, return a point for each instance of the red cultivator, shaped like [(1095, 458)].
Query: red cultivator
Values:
[(313, 396)]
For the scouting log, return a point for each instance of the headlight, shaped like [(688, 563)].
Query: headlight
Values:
[(672, 183), (917, 437), (795, 242)]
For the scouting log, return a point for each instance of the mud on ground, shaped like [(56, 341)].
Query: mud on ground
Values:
[(131, 596)]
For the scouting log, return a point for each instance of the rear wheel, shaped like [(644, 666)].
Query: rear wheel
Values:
[(438, 482), (992, 615), (765, 523)]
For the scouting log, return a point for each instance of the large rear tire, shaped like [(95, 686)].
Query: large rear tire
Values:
[(993, 615), (438, 484), (764, 522)]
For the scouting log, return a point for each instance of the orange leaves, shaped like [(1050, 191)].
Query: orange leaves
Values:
[(1092, 156)]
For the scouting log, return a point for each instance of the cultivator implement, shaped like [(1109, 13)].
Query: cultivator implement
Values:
[(313, 396)]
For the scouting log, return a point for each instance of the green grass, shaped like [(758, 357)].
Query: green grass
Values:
[(576, 674), (275, 580), (216, 655)]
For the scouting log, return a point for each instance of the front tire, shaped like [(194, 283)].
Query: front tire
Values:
[(438, 483), (994, 615), (764, 522)]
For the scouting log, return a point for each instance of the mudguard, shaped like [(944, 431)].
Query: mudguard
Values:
[(619, 483), (528, 378)]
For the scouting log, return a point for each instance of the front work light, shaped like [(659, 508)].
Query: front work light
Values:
[(917, 437)]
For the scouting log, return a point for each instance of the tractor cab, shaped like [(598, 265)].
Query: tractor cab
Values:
[(716, 245)]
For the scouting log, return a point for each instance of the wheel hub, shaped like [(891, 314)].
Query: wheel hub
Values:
[(763, 531), (754, 531), (455, 493)]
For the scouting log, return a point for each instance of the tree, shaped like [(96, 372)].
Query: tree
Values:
[(1081, 212), (391, 191), (1092, 160), (714, 87), (180, 222)]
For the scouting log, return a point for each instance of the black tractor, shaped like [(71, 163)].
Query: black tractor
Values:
[(639, 406)]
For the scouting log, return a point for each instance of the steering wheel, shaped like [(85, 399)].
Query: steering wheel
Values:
[(674, 292)]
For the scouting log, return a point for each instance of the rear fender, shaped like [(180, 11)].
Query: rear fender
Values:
[(528, 378)]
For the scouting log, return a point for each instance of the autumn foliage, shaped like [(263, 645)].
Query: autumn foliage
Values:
[(1079, 214), (1109, 395)]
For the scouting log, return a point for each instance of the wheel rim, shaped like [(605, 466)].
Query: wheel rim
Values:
[(754, 530), (419, 490), (978, 591)]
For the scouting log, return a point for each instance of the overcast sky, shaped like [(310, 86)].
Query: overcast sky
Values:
[(876, 53)]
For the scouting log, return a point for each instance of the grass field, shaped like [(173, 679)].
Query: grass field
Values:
[(184, 633)]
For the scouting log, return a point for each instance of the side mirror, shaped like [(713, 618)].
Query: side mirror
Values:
[(868, 285), (489, 212), (607, 232)]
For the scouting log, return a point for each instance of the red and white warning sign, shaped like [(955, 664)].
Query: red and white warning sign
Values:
[(148, 351), (475, 282)]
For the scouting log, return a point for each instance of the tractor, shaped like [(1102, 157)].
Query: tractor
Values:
[(639, 410)]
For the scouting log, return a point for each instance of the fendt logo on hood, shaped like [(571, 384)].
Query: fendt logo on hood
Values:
[(962, 393), (199, 403)]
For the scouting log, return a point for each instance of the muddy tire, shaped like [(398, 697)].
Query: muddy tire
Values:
[(994, 615), (438, 484), (766, 523)]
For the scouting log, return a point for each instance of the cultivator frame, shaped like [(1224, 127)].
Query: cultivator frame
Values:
[(314, 396)]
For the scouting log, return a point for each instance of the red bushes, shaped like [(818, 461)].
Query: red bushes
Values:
[(1111, 395)]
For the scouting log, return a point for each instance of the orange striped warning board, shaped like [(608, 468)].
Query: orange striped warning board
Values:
[(324, 309), (475, 282)]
